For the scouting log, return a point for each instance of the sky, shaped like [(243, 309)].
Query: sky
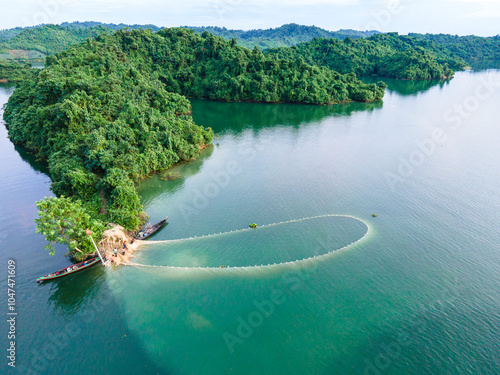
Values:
[(462, 17)]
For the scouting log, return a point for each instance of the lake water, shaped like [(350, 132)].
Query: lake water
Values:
[(419, 294)]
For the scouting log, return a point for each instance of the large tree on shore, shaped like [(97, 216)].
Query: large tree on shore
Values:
[(63, 220)]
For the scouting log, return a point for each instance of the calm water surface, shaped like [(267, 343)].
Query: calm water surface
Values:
[(419, 294)]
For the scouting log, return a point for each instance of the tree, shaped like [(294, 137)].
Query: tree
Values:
[(63, 220)]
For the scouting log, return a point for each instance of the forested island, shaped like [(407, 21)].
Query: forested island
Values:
[(107, 113), (110, 108)]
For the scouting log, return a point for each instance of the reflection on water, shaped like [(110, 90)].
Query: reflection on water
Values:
[(485, 64), (405, 88), (155, 186), (31, 159), (258, 116), (70, 293)]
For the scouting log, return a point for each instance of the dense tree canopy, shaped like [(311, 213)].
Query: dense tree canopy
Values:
[(478, 52), (13, 72), (456, 51), (388, 55), (102, 121), (65, 221), (207, 66), (110, 111)]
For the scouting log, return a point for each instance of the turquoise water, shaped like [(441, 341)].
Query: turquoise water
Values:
[(418, 295)]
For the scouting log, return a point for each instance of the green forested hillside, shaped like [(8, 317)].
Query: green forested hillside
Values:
[(47, 40), (283, 36), (108, 112), (456, 51), (10, 33), (112, 26), (207, 66), (478, 52), (387, 55), (50, 39)]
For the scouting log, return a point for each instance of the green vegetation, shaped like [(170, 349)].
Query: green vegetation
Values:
[(209, 67), (108, 112), (13, 72), (253, 225), (283, 36), (65, 221), (112, 26), (102, 121), (389, 55), (456, 51), (37, 42), (478, 52), (10, 33)]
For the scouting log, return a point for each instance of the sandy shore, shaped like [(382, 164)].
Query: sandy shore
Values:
[(116, 237)]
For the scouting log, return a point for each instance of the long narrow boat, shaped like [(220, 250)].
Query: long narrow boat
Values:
[(148, 232), (69, 270)]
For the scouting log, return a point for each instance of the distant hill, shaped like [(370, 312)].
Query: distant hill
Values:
[(284, 36), (363, 56), (479, 52), (113, 26), (35, 43), (11, 33), (38, 42)]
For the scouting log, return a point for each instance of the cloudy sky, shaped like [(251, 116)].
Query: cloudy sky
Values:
[(480, 17)]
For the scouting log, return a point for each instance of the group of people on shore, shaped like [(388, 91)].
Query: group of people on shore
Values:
[(115, 253)]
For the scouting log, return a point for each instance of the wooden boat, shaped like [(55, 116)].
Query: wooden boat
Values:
[(69, 270), (148, 232)]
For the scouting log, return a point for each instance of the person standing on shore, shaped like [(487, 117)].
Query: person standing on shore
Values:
[(124, 247), (115, 251)]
